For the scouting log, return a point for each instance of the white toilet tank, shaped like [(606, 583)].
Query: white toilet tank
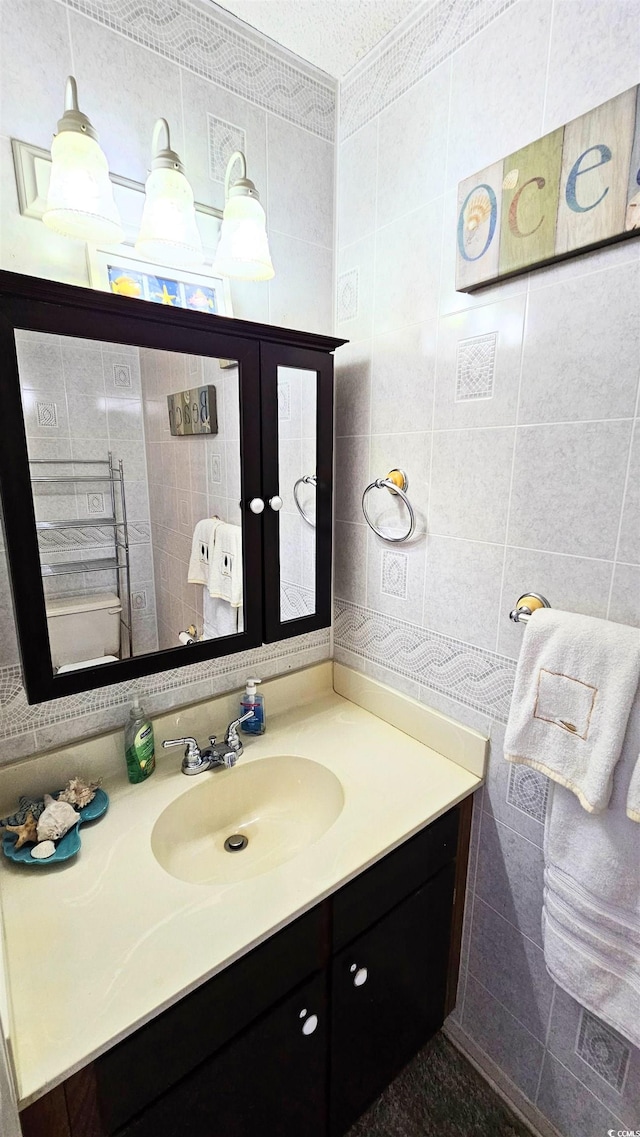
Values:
[(83, 628)]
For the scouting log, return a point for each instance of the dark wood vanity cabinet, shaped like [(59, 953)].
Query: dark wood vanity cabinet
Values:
[(305, 1031)]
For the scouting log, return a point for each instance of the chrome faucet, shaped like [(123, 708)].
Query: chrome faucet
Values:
[(216, 754)]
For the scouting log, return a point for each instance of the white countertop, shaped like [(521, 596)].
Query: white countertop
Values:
[(97, 947)]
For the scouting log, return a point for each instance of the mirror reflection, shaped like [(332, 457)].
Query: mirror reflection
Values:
[(135, 465), (297, 480)]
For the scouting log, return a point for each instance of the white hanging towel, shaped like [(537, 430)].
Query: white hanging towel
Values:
[(225, 567), (591, 912), (202, 551), (633, 797), (574, 687), (219, 618)]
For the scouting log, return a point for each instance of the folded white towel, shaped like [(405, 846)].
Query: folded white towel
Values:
[(225, 566), (591, 915), (201, 550), (574, 687), (219, 618), (633, 798)]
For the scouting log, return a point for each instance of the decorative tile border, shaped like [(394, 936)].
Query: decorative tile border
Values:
[(296, 601), (410, 55), (478, 678), (17, 716), (202, 42)]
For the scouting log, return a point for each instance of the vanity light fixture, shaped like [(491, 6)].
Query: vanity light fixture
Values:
[(243, 249), (168, 231), (80, 199)]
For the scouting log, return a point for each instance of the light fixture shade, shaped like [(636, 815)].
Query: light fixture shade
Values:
[(80, 200), (168, 231), (243, 249)]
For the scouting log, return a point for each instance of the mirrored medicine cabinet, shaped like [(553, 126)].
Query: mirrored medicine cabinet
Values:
[(166, 483)]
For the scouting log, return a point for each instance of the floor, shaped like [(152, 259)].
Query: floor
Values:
[(439, 1094)]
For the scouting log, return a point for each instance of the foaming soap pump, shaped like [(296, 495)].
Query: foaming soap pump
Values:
[(253, 701)]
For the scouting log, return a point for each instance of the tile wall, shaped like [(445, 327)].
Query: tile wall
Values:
[(217, 83), (514, 414)]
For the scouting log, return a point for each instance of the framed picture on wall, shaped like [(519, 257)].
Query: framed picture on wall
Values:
[(126, 275)]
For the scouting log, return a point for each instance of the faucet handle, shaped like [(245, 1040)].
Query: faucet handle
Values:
[(192, 755), (232, 738)]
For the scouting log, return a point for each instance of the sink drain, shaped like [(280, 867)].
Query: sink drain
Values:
[(236, 843)]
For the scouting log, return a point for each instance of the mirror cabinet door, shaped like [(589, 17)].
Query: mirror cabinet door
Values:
[(297, 399), (132, 484)]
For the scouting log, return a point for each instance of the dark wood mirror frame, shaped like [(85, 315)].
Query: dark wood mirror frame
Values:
[(38, 305)]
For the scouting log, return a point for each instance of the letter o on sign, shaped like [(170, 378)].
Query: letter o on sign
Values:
[(492, 221)]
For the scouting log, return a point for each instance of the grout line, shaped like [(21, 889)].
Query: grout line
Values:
[(546, 1042), (509, 1012), (370, 548), (547, 71), (624, 496), (513, 467), (511, 925)]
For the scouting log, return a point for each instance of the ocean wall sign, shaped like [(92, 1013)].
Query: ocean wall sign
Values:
[(576, 189)]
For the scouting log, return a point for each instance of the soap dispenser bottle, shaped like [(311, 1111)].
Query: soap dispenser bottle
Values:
[(253, 701), (139, 746)]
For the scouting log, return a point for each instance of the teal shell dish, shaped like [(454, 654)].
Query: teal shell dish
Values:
[(67, 846)]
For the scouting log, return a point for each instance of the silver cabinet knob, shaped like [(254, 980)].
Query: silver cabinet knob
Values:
[(360, 975), (256, 505), (276, 503), (310, 1024)]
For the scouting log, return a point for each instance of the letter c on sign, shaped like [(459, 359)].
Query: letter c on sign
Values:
[(492, 222), (570, 192), (513, 209)]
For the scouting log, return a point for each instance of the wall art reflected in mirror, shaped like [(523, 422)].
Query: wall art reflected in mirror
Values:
[(139, 529)]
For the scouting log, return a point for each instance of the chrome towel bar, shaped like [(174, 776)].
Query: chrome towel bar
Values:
[(307, 480), (527, 604)]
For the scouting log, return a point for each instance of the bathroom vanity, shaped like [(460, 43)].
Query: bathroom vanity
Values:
[(254, 1002)]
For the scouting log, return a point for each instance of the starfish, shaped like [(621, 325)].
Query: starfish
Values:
[(26, 832)]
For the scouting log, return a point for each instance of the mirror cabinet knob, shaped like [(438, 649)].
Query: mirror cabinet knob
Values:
[(256, 505), (276, 503)]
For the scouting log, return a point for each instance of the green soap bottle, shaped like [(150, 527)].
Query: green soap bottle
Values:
[(139, 747)]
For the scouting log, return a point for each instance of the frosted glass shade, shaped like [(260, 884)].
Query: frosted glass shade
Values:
[(243, 249), (169, 231), (80, 201)]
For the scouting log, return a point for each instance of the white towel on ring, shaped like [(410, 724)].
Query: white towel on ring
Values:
[(202, 551), (225, 567)]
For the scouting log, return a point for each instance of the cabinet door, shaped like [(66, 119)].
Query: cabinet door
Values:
[(297, 433), (388, 990), (270, 1080)]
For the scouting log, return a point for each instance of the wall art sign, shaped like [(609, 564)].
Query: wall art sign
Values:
[(117, 271), (193, 412), (576, 189)]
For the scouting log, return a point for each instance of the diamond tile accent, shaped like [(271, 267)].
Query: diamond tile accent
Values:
[(139, 600), (603, 1050), (121, 375), (95, 503), (394, 574), (47, 415), (528, 791), (475, 367), (224, 138), (284, 400), (412, 53), (475, 677), (206, 44), (348, 295)]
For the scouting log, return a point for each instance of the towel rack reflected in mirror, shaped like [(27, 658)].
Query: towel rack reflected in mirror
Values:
[(396, 482), (527, 604), (307, 480)]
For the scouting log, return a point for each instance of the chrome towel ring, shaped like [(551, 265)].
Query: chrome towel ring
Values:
[(396, 482), (307, 480)]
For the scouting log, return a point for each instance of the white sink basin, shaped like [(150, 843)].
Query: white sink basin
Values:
[(281, 804)]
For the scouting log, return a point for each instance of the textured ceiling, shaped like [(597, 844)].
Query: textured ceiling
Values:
[(332, 34)]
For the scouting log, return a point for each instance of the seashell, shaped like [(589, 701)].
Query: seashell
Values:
[(43, 850), (27, 805), (57, 819), (26, 832), (477, 210), (511, 179), (78, 792)]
